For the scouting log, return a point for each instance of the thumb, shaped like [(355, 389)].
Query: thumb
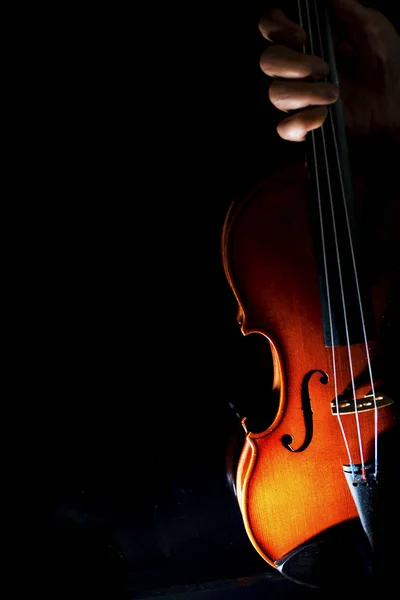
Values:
[(351, 12)]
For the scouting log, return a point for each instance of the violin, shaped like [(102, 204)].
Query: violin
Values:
[(302, 270)]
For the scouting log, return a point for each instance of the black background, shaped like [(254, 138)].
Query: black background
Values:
[(153, 122), (163, 121)]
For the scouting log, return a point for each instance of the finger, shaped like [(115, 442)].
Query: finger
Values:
[(296, 127), (292, 95), (279, 61), (276, 27)]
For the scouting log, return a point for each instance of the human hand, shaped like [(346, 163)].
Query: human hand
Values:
[(367, 49)]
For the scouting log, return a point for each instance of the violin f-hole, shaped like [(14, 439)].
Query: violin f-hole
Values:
[(287, 439)]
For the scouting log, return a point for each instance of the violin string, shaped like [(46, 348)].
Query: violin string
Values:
[(324, 255), (361, 311), (362, 319), (367, 352), (351, 367)]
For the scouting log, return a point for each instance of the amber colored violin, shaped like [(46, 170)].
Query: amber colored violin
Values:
[(299, 265)]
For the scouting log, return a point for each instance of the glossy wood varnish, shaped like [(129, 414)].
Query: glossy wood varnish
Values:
[(287, 497)]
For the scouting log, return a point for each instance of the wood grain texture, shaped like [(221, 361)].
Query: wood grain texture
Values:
[(287, 497)]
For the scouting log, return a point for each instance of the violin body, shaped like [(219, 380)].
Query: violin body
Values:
[(291, 480)]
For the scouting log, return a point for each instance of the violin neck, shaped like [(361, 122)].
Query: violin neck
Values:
[(332, 210), (330, 142)]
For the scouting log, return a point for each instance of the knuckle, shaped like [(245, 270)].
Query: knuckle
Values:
[(266, 62), (264, 22), (277, 94), (269, 19), (374, 20), (379, 30), (273, 90), (374, 28), (268, 59)]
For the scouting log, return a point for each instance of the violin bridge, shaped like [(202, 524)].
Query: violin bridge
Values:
[(344, 407)]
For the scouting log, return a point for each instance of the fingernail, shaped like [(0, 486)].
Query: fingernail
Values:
[(300, 37), (320, 69), (328, 90), (332, 92)]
